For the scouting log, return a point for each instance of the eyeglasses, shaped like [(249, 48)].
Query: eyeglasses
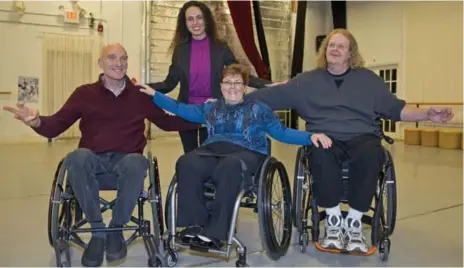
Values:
[(230, 83)]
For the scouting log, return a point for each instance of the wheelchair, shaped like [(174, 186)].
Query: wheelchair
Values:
[(257, 197), (384, 213), (65, 218)]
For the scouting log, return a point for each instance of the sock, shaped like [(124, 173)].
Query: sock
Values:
[(333, 211), (355, 214), (206, 239)]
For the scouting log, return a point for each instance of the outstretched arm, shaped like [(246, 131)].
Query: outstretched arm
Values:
[(388, 105), (192, 113), (437, 115), (279, 97), (288, 135), (167, 122), (49, 126), (292, 136), (278, 131)]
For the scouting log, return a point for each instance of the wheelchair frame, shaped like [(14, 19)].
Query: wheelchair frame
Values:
[(258, 198), (304, 200), (64, 224)]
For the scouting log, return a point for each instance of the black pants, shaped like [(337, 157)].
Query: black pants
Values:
[(225, 173), (366, 157), (192, 139), (89, 172)]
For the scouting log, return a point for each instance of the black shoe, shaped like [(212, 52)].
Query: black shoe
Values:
[(116, 248), (93, 253)]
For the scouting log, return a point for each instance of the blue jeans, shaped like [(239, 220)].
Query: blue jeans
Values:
[(88, 173)]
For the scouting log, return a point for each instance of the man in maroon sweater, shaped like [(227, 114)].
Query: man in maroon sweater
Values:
[(112, 113)]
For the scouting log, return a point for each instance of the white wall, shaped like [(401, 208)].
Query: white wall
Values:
[(377, 27), (433, 51), (21, 48)]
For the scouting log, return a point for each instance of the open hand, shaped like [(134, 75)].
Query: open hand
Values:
[(146, 89), (439, 115), (21, 112), (324, 141)]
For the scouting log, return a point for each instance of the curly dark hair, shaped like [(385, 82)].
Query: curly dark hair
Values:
[(182, 33)]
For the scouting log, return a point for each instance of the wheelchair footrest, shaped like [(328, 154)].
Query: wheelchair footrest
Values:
[(371, 251), (200, 249)]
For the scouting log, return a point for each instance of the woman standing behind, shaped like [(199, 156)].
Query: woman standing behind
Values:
[(199, 57)]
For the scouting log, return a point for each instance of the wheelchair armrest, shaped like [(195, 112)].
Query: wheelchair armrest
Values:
[(388, 139)]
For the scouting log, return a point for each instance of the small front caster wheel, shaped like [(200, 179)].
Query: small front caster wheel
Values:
[(304, 241), (172, 258), (384, 250)]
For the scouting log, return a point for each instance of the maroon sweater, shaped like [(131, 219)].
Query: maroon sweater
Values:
[(109, 123)]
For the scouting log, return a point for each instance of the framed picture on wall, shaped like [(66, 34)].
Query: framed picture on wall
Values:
[(28, 89)]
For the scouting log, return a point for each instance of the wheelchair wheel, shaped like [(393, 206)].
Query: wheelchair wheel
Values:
[(156, 198), (275, 242), (168, 202), (389, 196), (56, 208), (300, 191)]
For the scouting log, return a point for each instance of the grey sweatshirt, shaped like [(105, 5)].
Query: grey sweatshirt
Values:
[(341, 112)]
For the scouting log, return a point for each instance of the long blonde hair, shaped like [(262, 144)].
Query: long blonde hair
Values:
[(356, 60)]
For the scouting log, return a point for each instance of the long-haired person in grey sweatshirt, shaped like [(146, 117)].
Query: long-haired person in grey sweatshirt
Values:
[(343, 99)]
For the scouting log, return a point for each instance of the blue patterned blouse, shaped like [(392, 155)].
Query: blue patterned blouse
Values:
[(245, 124)]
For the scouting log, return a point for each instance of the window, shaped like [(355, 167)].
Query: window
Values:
[(69, 61), (389, 75)]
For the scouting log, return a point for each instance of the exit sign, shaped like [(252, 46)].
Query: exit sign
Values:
[(71, 17)]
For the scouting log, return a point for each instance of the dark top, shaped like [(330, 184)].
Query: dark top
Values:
[(179, 71), (109, 123), (342, 112)]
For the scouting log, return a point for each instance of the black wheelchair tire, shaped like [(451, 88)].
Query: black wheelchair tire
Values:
[(50, 214), (274, 249), (299, 202), (54, 214), (392, 198), (156, 199), (168, 202)]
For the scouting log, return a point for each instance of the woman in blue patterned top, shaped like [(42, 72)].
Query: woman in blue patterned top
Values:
[(237, 130)]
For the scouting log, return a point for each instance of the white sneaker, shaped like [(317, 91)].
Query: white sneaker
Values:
[(333, 238), (354, 237)]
